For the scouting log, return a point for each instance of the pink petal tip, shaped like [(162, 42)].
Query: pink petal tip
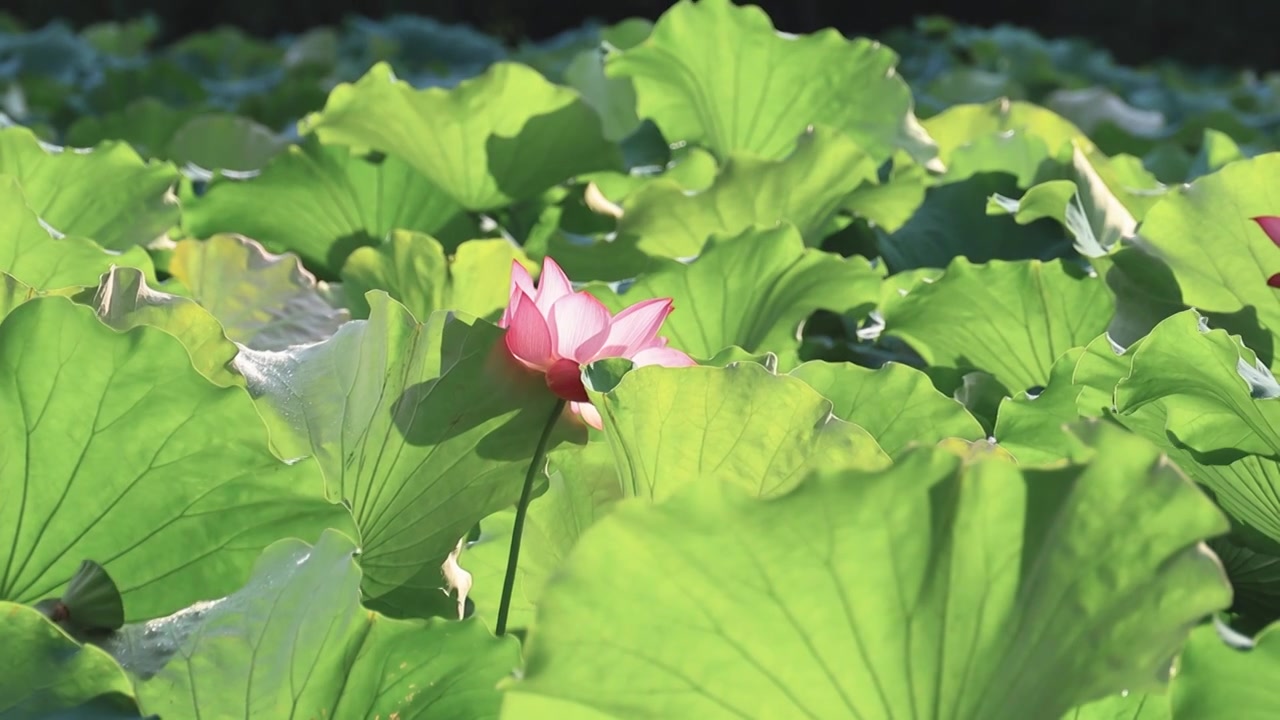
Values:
[(1270, 224)]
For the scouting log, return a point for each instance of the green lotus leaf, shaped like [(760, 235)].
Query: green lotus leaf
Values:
[(503, 136), (1124, 706), (274, 647), (110, 194), (719, 74), (224, 141), (323, 202), (996, 591), (1094, 218), (1218, 682), (1219, 258), (54, 676), (42, 260), (666, 217), (1001, 135), (146, 123), (264, 301), (116, 427), (898, 405), (952, 223), (1221, 422), (13, 293), (741, 424), (1010, 319)]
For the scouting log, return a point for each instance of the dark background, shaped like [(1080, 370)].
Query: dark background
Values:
[(1227, 32)]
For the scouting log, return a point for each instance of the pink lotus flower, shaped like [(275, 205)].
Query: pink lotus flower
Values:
[(1270, 224), (556, 331)]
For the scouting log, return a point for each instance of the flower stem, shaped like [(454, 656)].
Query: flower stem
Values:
[(522, 509)]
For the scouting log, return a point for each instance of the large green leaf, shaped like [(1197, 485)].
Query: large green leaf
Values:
[(1204, 420), (323, 202), (295, 642), (897, 404), (583, 488), (1220, 258), (421, 428), (933, 588), (506, 135), (118, 451), (1011, 319), (1218, 682), (1227, 405), (265, 301), (666, 219), (719, 74), (415, 270), (740, 424), (31, 254), (805, 188), (47, 674), (1222, 420), (110, 194), (753, 291)]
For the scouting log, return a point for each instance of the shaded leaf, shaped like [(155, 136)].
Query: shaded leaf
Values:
[(265, 301), (952, 223), (53, 676), (1085, 206), (223, 141)]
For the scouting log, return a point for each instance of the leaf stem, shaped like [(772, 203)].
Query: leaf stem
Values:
[(522, 509)]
